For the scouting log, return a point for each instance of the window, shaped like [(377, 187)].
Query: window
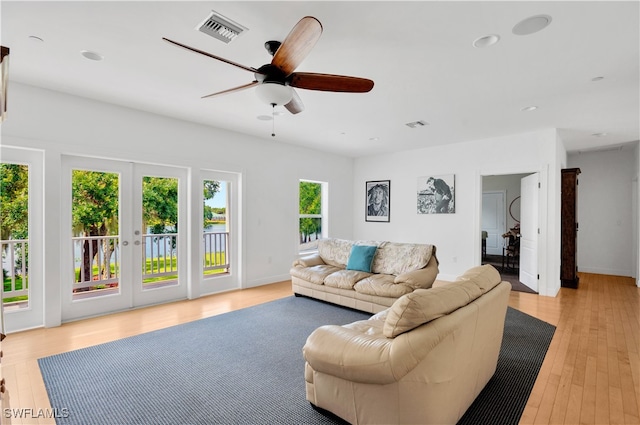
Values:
[(312, 222)]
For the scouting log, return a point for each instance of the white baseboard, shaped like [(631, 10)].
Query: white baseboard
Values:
[(266, 280), (603, 270)]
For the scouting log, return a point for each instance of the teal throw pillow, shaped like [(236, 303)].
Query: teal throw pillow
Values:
[(361, 257)]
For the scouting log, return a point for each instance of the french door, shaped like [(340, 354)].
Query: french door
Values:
[(21, 251), (124, 243)]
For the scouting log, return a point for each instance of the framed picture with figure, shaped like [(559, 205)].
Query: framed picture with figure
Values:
[(436, 194), (378, 205)]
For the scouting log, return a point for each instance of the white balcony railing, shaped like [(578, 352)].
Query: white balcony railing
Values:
[(97, 259), (96, 263), (15, 268)]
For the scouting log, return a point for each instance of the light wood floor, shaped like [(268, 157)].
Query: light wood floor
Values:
[(591, 374)]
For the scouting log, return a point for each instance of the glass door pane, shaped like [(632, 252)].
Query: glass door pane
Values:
[(14, 235), (216, 228), (160, 224), (95, 226)]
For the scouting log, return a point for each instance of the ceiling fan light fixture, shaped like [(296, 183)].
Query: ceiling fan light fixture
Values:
[(274, 93)]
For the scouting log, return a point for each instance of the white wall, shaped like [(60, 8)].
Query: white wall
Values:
[(636, 214), (605, 206), (457, 236), (60, 124)]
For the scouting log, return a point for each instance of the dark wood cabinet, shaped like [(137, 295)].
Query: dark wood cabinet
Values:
[(569, 228)]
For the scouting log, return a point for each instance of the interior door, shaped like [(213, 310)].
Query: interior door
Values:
[(125, 248), (493, 220), (529, 192)]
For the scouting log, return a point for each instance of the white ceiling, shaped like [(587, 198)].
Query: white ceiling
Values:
[(419, 54)]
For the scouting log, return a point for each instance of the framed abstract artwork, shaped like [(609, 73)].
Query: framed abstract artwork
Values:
[(378, 205), (436, 194)]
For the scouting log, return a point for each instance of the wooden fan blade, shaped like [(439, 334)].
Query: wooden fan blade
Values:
[(184, 46), (295, 105), (329, 82), (235, 89), (297, 45)]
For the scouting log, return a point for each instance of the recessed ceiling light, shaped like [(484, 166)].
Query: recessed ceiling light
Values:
[(374, 139), (529, 108), (264, 117), (94, 56), (597, 79), (599, 134), (486, 41), (35, 38), (532, 25)]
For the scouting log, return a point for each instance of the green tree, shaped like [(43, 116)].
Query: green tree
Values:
[(210, 188), (14, 201), (160, 204), (14, 209), (95, 213)]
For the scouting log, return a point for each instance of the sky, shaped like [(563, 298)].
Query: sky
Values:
[(220, 199)]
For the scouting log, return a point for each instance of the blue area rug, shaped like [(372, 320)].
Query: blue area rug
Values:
[(242, 367)]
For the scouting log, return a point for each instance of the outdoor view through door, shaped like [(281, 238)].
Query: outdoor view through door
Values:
[(215, 236), (96, 248), (95, 207), (14, 237)]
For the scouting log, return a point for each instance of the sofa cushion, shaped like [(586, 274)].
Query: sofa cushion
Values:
[(345, 279), (397, 258), (361, 257), (335, 251), (381, 285), (314, 274), (486, 277), (423, 305)]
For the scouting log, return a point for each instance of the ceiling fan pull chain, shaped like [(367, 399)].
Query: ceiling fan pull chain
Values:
[(273, 120)]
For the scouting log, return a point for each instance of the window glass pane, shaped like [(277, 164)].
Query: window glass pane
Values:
[(310, 224), (310, 198)]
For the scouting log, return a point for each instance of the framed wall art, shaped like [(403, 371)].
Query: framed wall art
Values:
[(378, 206), (436, 194)]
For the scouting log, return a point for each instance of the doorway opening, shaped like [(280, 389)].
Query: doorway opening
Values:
[(512, 251)]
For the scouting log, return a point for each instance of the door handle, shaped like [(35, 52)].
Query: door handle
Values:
[(136, 243), (125, 243)]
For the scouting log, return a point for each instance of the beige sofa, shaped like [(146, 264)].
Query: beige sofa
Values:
[(422, 361), (396, 269)]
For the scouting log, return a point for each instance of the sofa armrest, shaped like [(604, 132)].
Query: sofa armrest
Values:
[(309, 261), (359, 351), (349, 354), (421, 278)]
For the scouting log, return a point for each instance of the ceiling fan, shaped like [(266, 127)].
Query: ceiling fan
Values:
[(275, 81)]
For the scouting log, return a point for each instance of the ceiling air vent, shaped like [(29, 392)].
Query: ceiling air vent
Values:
[(417, 124), (220, 27)]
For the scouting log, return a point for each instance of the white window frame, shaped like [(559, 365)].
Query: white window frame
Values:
[(323, 216)]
